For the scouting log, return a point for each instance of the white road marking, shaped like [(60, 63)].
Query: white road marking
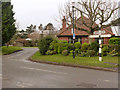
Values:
[(21, 60), (17, 54), (26, 61), (107, 80), (0, 76), (23, 85), (43, 70)]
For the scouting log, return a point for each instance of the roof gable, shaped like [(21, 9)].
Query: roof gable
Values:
[(79, 23)]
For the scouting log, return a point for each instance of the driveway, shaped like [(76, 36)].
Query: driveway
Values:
[(19, 72)]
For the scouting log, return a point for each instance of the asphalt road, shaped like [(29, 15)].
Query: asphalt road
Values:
[(18, 72)]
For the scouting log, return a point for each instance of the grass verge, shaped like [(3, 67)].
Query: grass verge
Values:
[(108, 62), (9, 50)]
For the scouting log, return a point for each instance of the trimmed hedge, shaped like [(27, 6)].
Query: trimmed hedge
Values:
[(115, 41)]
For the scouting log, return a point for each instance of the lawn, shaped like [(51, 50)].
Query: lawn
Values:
[(84, 61), (9, 50)]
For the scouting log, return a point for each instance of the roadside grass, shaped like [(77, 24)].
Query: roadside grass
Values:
[(84, 61), (10, 49)]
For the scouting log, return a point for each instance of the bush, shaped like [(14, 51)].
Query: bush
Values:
[(49, 52), (62, 46), (114, 41), (94, 46), (91, 53), (59, 45), (44, 44), (70, 47), (65, 53), (114, 47), (79, 51), (114, 50), (83, 54), (105, 50), (54, 45), (77, 45), (84, 47)]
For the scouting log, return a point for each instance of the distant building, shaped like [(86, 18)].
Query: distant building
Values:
[(20, 42), (38, 33)]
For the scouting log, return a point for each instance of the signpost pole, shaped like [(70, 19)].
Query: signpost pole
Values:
[(100, 46), (73, 3)]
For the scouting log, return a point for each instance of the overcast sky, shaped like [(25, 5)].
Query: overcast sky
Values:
[(36, 12)]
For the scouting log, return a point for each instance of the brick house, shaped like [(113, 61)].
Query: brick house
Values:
[(82, 36)]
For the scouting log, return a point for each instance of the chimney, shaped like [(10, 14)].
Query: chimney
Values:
[(63, 24)]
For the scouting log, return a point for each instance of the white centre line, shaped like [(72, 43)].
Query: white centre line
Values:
[(23, 85), (0, 75), (43, 70), (107, 80)]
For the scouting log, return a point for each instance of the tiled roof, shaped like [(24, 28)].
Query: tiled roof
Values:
[(21, 40), (68, 31)]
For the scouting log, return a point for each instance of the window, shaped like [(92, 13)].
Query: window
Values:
[(77, 39)]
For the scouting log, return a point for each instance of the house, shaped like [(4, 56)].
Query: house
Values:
[(38, 33), (82, 36), (20, 42)]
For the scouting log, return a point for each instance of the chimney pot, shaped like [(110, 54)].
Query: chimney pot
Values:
[(63, 23)]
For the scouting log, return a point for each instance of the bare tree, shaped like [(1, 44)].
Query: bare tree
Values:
[(66, 10), (96, 11)]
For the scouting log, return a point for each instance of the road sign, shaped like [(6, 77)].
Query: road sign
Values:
[(99, 32)]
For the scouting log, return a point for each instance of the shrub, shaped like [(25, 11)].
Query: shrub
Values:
[(105, 50), (91, 53), (84, 47), (70, 47), (114, 41), (94, 46), (54, 46), (44, 44), (51, 47), (71, 52), (114, 47), (62, 46), (65, 52), (49, 52), (114, 50), (79, 51), (77, 45), (62, 41), (83, 54)]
